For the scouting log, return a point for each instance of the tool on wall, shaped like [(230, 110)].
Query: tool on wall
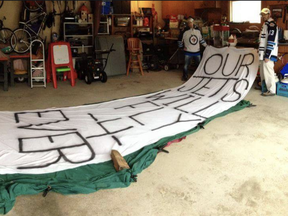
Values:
[(284, 17), (60, 9), (1, 3)]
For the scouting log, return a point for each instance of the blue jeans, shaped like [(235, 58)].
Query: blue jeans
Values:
[(188, 58)]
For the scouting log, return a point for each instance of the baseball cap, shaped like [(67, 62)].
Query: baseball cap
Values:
[(190, 20), (265, 11)]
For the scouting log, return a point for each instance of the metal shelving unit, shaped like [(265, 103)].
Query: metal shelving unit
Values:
[(86, 36)]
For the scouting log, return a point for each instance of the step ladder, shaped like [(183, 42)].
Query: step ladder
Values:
[(37, 67)]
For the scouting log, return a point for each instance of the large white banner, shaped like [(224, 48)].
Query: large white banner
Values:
[(50, 140)]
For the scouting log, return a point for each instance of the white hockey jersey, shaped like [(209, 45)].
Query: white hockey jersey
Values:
[(268, 47), (192, 39)]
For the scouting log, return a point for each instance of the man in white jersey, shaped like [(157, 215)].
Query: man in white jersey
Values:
[(268, 51), (192, 38)]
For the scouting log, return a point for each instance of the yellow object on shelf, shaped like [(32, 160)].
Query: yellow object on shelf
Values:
[(20, 72)]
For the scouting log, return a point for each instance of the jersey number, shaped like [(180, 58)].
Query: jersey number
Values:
[(271, 32)]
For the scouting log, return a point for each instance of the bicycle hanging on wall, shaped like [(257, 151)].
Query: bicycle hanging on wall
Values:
[(25, 34), (5, 38)]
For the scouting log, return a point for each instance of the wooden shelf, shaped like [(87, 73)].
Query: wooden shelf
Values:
[(141, 26), (170, 38), (76, 23), (118, 14), (130, 29), (78, 35)]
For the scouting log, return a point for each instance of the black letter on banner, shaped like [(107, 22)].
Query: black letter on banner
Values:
[(164, 98), (182, 99), (204, 109), (234, 89), (26, 147), (101, 124), (133, 116), (175, 122), (192, 87), (177, 108), (133, 105), (227, 80), (217, 61), (159, 95), (41, 115), (233, 69), (246, 65), (204, 86)]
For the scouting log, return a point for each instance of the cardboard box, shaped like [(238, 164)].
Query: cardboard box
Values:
[(173, 24)]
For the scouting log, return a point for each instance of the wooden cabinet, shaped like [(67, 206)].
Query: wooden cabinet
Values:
[(177, 7), (211, 4), (121, 7), (282, 49), (186, 7)]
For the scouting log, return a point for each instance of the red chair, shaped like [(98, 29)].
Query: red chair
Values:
[(60, 61)]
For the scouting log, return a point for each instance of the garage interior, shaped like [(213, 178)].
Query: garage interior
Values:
[(235, 166)]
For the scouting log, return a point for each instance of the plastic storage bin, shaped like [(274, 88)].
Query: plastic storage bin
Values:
[(282, 89)]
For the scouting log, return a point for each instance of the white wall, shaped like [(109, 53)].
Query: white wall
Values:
[(11, 10)]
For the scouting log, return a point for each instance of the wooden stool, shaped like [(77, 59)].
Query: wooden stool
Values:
[(12, 74), (4, 61), (134, 51)]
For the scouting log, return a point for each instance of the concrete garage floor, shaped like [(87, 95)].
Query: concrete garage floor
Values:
[(238, 165)]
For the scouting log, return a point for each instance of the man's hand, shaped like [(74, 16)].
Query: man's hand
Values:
[(266, 60), (185, 49)]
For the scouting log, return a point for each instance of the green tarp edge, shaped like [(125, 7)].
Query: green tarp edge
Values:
[(89, 178)]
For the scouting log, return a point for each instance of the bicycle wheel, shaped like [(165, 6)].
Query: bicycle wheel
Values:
[(1, 3), (5, 38), (21, 41), (34, 6)]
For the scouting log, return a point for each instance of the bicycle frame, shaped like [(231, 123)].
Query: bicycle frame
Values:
[(2, 22), (2, 27), (27, 27), (3, 41)]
